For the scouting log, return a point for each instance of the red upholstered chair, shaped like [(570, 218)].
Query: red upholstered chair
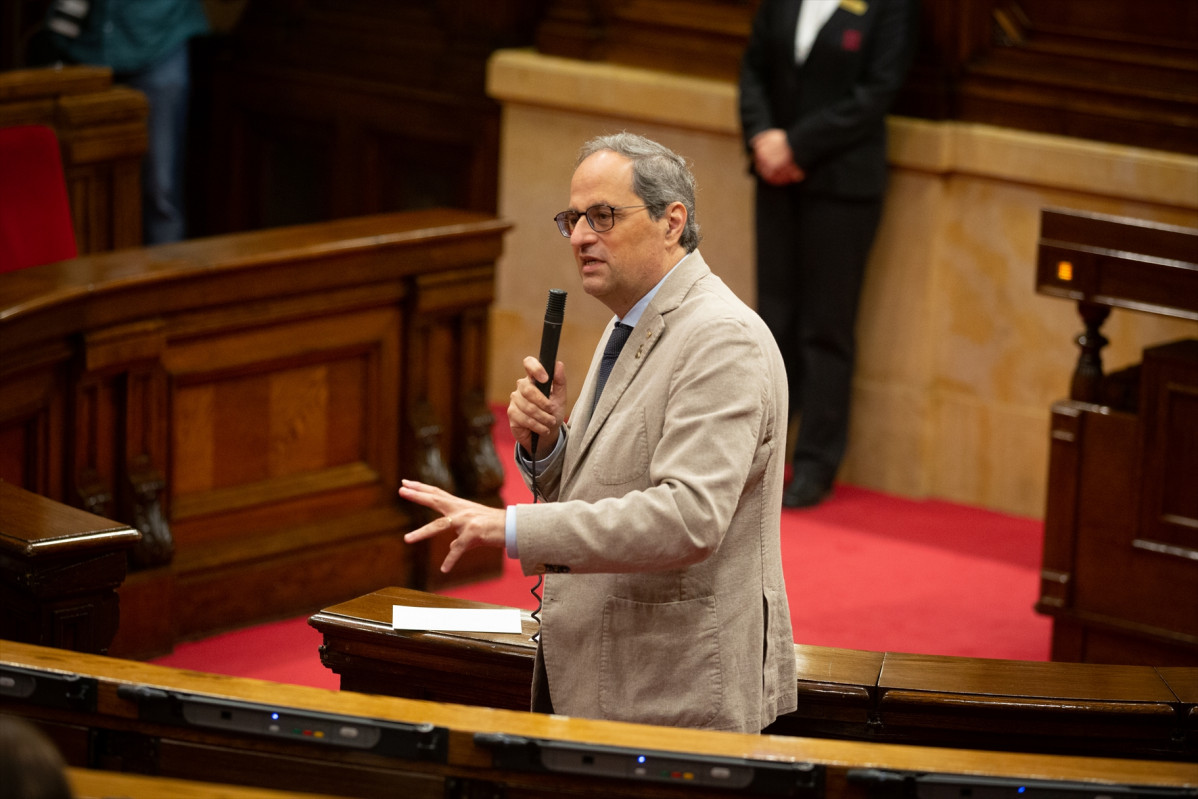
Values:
[(35, 214)]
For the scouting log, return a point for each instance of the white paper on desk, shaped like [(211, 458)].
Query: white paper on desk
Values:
[(465, 620)]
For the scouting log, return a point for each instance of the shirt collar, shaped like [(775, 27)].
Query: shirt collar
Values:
[(634, 313)]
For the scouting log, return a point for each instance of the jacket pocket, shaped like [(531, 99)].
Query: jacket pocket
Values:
[(624, 458), (660, 662)]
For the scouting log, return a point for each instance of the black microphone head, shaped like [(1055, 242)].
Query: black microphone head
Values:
[(556, 307)]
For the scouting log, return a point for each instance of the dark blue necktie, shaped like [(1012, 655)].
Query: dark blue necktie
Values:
[(612, 351)]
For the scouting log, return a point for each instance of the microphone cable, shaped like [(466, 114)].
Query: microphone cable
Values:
[(536, 614)]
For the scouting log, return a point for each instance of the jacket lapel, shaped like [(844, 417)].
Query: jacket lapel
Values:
[(640, 344), (632, 357), (827, 36), (841, 30)]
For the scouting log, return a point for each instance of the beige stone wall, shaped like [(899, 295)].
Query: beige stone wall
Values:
[(960, 360)]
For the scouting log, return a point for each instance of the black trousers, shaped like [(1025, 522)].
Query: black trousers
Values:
[(811, 257)]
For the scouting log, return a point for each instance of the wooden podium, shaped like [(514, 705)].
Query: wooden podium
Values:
[(1120, 563)]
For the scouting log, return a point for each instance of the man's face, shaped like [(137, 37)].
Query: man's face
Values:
[(620, 265)]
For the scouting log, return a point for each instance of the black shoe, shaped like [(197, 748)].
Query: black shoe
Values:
[(806, 491)]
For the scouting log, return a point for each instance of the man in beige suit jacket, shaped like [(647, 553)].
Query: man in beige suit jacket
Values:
[(664, 600)]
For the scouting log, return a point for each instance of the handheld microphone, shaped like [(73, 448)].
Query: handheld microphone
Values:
[(554, 313)]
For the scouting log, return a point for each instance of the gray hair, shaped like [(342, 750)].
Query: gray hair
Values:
[(659, 177)]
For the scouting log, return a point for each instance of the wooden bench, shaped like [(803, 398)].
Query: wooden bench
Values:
[(126, 716), (1091, 709)]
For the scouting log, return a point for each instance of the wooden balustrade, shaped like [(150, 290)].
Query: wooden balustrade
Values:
[(1101, 69), (250, 402)]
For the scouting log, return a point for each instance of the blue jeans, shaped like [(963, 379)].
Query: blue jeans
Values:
[(167, 87)]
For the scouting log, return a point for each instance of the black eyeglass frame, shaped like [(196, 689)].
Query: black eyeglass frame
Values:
[(566, 227)]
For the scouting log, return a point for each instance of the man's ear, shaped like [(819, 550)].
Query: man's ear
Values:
[(676, 218)]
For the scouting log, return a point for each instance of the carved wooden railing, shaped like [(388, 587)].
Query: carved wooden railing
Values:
[(250, 402)]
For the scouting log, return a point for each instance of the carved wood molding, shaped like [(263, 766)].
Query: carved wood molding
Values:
[(121, 433)]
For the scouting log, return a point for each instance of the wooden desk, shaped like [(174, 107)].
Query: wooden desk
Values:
[(59, 571), (1124, 711), (1115, 711), (1119, 573), (121, 714)]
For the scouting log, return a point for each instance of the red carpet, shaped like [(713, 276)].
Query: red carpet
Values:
[(863, 570)]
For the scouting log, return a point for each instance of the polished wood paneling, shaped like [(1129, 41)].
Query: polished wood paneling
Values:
[(312, 111), (1111, 70), (705, 38), (250, 403)]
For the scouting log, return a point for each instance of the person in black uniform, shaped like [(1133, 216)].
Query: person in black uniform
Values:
[(817, 79)]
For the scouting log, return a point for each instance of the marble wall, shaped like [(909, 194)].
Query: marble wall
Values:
[(960, 360)]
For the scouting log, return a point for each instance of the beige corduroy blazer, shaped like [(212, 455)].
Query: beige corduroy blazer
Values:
[(664, 601)]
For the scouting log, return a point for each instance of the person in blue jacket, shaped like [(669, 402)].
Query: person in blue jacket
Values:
[(145, 43)]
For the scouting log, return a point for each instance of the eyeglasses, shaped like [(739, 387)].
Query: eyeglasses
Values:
[(601, 218)]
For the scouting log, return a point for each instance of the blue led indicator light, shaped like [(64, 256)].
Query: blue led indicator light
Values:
[(274, 716), (1022, 789), (640, 759)]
